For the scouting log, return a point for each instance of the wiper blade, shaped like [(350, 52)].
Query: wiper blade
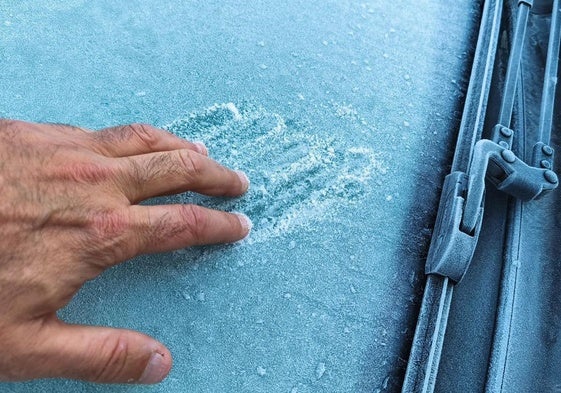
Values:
[(460, 212), (425, 353), (504, 320)]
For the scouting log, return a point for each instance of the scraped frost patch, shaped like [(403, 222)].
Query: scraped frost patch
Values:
[(298, 179)]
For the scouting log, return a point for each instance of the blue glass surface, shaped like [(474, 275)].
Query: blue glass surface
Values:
[(343, 115)]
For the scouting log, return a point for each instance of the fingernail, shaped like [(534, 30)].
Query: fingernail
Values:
[(201, 148), (155, 371), (245, 221), (244, 179)]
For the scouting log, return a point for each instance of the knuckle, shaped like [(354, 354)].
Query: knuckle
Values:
[(144, 133), (194, 222), (109, 224), (116, 354), (107, 240), (190, 163)]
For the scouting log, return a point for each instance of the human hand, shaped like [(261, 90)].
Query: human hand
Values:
[(68, 211)]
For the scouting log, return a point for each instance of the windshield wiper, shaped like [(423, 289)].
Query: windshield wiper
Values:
[(476, 160)]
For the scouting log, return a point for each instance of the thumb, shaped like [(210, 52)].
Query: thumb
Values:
[(103, 354)]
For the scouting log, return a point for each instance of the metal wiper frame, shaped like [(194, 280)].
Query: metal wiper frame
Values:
[(476, 160)]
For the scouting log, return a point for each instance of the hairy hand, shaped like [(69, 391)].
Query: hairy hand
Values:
[(68, 211)]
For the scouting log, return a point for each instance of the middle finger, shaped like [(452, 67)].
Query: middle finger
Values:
[(148, 175)]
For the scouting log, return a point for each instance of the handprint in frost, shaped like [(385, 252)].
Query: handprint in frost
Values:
[(297, 178)]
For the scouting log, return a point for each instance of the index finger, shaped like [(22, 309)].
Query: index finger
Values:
[(148, 175), (136, 139)]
